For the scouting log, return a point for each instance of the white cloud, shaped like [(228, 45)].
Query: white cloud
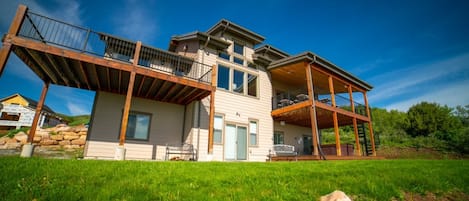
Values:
[(450, 95), (77, 109), (406, 80), (136, 22)]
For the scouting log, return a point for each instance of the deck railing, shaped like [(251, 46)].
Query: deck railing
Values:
[(296, 96), (64, 35)]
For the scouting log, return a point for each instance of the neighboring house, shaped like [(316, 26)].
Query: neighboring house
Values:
[(18, 111), (223, 91)]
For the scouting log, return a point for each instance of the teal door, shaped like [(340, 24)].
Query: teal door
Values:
[(242, 143)]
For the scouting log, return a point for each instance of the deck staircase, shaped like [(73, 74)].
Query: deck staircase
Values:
[(365, 141)]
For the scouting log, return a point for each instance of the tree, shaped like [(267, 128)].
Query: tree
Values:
[(425, 119)]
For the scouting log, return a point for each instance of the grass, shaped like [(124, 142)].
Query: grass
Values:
[(49, 179)]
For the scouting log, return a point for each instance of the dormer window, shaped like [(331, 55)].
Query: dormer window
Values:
[(238, 48)]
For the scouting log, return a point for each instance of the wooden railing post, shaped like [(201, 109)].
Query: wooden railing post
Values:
[(354, 120), (312, 109), (212, 109), (334, 116), (14, 29)]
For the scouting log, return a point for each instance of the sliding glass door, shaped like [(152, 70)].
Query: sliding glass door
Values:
[(235, 142)]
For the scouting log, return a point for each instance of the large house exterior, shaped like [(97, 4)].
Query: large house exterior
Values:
[(222, 91), (17, 111)]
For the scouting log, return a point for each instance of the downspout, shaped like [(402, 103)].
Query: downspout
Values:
[(314, 111), (183, 124)]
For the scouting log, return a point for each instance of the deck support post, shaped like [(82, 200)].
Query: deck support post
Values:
[(14, 29), (28, 148), (212, 109), (120, 150), (334, 116), (312, 109), (355, 126), (370, 126)]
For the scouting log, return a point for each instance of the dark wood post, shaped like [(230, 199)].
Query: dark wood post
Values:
[(39, 106), (212, 109), (312, 109), (334, 116), (354, 120), (14, 29)]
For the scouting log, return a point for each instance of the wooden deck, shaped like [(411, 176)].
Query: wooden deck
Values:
[(328, 157)]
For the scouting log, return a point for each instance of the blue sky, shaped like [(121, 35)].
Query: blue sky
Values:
[(410, 51)]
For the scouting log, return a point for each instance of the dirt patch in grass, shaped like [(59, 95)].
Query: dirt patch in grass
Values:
[(452, 196)]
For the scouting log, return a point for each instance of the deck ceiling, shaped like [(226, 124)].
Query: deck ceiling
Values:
[(74, 72), (294, 75)]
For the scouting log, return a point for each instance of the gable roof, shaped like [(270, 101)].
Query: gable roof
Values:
[(32, 103), (227, 26), (203, 37), (310, 57)]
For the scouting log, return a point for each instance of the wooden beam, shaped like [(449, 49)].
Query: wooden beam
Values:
[(119, 82), (85, 77), (170, 91), (13, 30), (350, 92), (337, 78), (37, 114), (182, 91), (4, 55), (34, 57), (312, 109), (331, 90), (141, 85), (108, 74), (212, 110), (290, 108), (358, 151), (151, 87), (94, 71), (56, 68), (69, 70), (125, 115), (336, 132), (370, 126)]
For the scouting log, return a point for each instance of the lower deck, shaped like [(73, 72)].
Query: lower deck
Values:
[(328, 157)]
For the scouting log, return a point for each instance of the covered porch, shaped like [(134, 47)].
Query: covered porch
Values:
[(63, 54), (312, 94)]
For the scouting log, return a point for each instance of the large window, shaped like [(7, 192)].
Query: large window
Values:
[(223, 77), (217, 129), (278, 137), (224, 55), (138, 126), (252, 133), (238, 81), (10, 116), (252, 85), (238, 60), (238, 48)]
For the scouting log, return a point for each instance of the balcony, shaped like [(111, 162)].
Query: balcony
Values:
[(69, 55)]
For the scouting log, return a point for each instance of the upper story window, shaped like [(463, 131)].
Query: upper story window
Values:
[(238, 81), (238, 48), (224, 55), (223, 77), (238, 60)]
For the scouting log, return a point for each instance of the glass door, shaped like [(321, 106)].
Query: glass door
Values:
[(235, 142)]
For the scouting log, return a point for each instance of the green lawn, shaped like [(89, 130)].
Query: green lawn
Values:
[(49, 179)]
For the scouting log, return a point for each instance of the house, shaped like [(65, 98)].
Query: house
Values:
[(224, 92), (18, 111)]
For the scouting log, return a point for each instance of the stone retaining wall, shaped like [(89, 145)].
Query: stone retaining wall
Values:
[(59, 137)]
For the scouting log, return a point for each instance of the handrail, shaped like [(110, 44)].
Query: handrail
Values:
[(72, 37)]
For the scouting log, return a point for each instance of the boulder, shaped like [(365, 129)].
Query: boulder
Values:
[(82, 133), (37, 138), (68, 133), (71, 137), (21, 137), (78, 142), (65, 128), (64, 142), (3, 140), (57, 137), (83, 137), (48, 142), (335, 196), (41, 133)]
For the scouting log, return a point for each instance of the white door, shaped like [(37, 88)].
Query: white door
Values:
[(235, 142)]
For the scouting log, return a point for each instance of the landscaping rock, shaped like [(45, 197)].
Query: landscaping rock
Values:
[(21, 137), (71, 137), (65, 142), (3, 140), (48, 142), (82, 137), (57, 137), (78, 142), (37, 139), (335, 196)]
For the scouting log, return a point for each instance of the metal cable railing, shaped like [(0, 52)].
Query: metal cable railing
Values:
[(61, 34)]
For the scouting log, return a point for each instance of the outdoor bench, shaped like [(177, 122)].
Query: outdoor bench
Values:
[(283, 150), (181, 151)]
